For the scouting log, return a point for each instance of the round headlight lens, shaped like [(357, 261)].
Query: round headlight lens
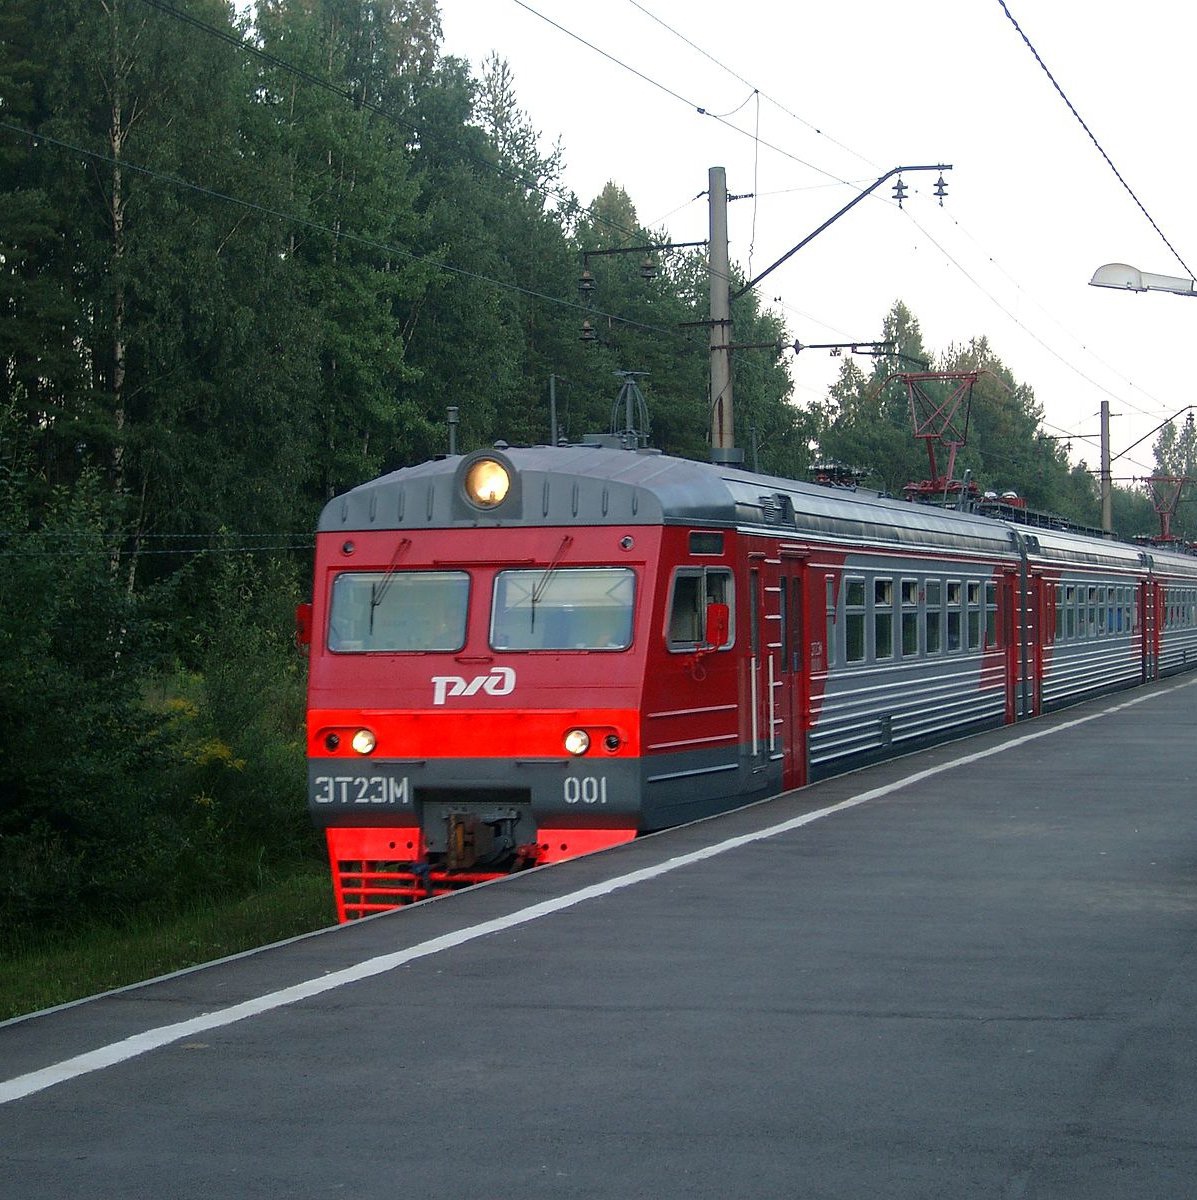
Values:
[(577, 741), (364, 741), (487, 483)]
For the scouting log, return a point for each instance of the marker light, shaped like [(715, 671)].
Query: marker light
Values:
[(577, 741), (487, 483), (364, 741)]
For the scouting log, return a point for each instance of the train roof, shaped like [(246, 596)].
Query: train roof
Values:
[(601, 485), (607, 485)]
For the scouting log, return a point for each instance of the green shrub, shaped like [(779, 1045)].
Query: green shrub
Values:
[(122, 787)]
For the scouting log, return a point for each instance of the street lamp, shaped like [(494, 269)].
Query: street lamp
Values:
[(1128, 279), (1131, 279)]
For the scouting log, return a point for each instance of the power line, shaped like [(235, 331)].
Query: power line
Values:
[(106, 547), (1055, 320), (1093, 139), (1001, 307), (758, 142), (675, 95), (1071, 366), (698, 108), (736, 75), (75, 535)]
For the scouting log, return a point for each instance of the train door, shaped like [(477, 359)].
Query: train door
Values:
[(1011, 623), (762, 667), (1151, 603), (1040, 589), (794, 692), (1029, 622)]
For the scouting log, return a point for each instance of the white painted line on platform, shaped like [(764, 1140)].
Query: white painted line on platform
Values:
[(153, 1039)]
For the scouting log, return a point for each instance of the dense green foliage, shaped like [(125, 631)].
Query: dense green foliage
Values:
[(247, 262), (238, 279)]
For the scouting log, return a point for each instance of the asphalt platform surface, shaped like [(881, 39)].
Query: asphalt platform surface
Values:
[(975, 976)]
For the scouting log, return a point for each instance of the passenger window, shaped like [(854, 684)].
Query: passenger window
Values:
[(991, 615), (955, 615), (934, 616), (974, 615), (829, 603), (910, 618), (854, 621), (883, 618)]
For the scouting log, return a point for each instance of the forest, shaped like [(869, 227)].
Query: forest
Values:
[(249, 258)]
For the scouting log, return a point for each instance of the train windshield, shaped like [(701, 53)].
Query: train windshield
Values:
[(398, 610), (575, 608)]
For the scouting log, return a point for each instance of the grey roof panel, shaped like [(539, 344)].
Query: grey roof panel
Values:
[(592, 485)]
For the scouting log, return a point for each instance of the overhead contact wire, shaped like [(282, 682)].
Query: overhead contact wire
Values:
[(1093, 139)]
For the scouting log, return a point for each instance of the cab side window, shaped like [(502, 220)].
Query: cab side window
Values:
[(693, 590)]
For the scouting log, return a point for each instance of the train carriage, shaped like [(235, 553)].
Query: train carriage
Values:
[(521, 655), (1173, 623), (1093, 596)]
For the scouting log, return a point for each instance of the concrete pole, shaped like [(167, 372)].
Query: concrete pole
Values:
[(1107, 492), (723, 437)]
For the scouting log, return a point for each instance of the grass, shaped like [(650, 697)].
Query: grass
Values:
[(52, 970)]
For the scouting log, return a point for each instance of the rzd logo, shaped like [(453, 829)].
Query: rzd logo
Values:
[(499, 681)]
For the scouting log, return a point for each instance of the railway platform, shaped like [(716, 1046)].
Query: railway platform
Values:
[(970, 973)]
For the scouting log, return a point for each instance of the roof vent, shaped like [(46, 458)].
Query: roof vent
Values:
[(777, 509)]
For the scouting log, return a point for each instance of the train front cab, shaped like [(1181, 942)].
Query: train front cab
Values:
[(698, 708), (474, 703)]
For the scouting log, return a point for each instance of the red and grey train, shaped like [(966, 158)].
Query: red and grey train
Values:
[(522, 655)]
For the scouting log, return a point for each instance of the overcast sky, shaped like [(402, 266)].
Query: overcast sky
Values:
[(851, 89)]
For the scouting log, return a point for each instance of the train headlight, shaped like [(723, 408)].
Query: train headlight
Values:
[(487, 483), (577, 741), (364, 741)]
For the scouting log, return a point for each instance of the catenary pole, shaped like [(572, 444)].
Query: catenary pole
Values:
[(1107, 492), (723, 437)]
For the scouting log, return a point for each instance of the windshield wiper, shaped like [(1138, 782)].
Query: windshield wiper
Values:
[(378, 589), (543, 581)]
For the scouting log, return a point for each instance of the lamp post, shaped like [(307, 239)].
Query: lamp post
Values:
[(1125, 278), (1130, 279)]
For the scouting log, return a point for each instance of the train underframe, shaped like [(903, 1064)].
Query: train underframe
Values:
[(447, 840), (368, 878)]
